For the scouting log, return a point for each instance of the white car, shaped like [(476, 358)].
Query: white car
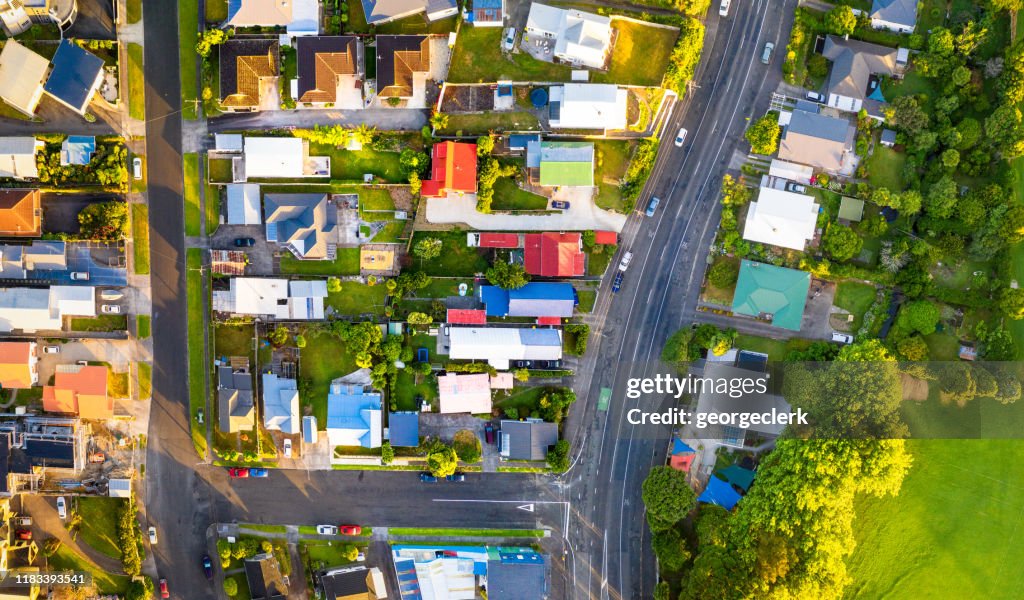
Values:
[(626, 259), (842, 338), (79, 276), (361, 557), (110, 309), (287, 448), (51, 349), (681, 137), (723, 8), (152, 535), (137, 168), (815, 97), (62, 507), (509, 40), (327, 530)]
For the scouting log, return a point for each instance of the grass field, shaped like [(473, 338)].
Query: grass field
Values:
[(145, 375), (587, 300), (509, 196), (406, 390), (66, 559), (100, 323), (349, 165), (456, 260), (136, 83), (953, 532), (640, 54), (612, 161), (143, 326), (188, 31), (856, 298), (99, 524), (491, 121), (140, 238), (357, 298), (391, 233), (346, 263), (216, 10), (1017, 252), (460, 532), (775, 349), (192, 214), (478, 58), (323, 359), (196, 344), (211, 200), (375, 199), (134, 10), (885, 168)]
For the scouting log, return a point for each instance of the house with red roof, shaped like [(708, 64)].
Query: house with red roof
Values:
[(18, 365), (551, 254), (80, 390), (453, 170)]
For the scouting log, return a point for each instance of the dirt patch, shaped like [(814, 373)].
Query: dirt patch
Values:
[(402, 198), (840, 322), (468, 98), (913, 388)]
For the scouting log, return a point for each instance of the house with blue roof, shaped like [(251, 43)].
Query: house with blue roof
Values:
[(75, 77), (404, 429), (487, 13), (354, 416), (535, 299), (77, 150)]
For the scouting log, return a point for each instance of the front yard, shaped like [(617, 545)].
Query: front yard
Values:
[(346, 263), (99, 523), (509, 196), (640, 54), (351, 165), (856, 298), (478, 58), (611, 162)]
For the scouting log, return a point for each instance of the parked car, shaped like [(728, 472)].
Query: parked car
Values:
[(626, 259), (522, 364), (681, 137), (111, 295), (260, 472), (200, 416), (164, 593), (548, 364), (62, 507), (23, 521), (766, 56), (238, 472), (653, 206), (560, 204), (245, 242), (723, 8), (287, 448), (207, 566), (795, 187), (842, 338), (350, 530), (23, 534), (137, 168), (361, 557), (510, 39), (489, 433), (110, 309), (815, 97), (427, 478), (456, 477), (79, 276), (327, 530), (51, 349), (152, 535), (617, 283)]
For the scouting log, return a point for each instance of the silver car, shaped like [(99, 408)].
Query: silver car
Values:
[(766, 56)]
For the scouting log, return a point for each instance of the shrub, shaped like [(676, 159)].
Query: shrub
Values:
[(724, 273)]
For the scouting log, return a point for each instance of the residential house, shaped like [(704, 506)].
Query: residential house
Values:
[(244, 204), (895, 15), (17, 16), (79, 390), (715, 401), (551, 254), (40, 309), (464, 393), (305, 224), (42, 259), (449, 572), (354, 417), (487, 13), (236, 409), (248, 74), (18, 157), (518, 574), (854, 81), (465, 316), (535, 299), (22, 76), (297, 17), (281, 404), (580, 38), (403, 62), (774, 294), (75, 77), (228, 143), (824, 143), (263, 573), (77, 150), (404, 429), (272, 299), (384, 11), (353, 583), (599, 106), (453, 170), (18, 365), (781, 218), (499, 346), (20, 213), (330, 71), (557, 164), (33, 449), (527, 440), (278, 158)]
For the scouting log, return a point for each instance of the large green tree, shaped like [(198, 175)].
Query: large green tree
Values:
[(763, 134), (667, 497), (841, 242), (506, 275)]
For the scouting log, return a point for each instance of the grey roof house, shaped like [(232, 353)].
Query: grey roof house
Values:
[(266, 582), (527, 440), (306, 224), (384, 11), (895, 15), (854, 80), (825, 143), (518, 574), (235, 406), (76, 75)]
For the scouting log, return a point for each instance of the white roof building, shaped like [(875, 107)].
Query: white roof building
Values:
[(278, 158), (281, 404), (73, 300), (22, 75), (500, 345), (300, 17), (18, 157), (588, 106), (244, 204), (272, 298), (466, 393), (581, 38), (791, 171), (781, 218), (228, 142), (42, 309)]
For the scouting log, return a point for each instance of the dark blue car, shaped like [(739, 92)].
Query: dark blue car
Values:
[(427, 478), (207, 566), (617, 283)]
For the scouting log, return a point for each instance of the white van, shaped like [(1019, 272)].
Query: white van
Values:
[(723, 9)]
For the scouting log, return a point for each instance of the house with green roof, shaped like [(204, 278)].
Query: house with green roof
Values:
[(553, 164), (776, 294)]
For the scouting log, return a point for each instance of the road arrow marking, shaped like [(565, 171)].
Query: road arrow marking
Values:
[(526, 507)]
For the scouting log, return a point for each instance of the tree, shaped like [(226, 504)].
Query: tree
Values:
[(484, 145), (104, 221), (279, 336), (411, 161), (439, 120), (333, 285), (913, 348), (662, 591), (442, 461), (1011, 302), (841, 242), (521, 374), (1010, 5), (906, 114), (507, 276), (840, 20), (950, 158), (1003, 127), (941, 198), (763, 135), (670, 548), (230, 587), (428, 248), (920, 316), (418, 318), (300, 341), (910, 202), (467, 446), (668, 498), (208, 39), (724, 273), (558, 456)]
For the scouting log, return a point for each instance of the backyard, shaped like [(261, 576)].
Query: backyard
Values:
[(855, 297), (478, 58), (66, 559), (346, 263), (640, 54), (324, 359), (351, 165), (612, 160), (509, 196), (456, 260), (478, 123), (234, 340), (885, 168), (358, 298)]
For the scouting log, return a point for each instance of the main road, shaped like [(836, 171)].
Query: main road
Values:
[(596, 506)]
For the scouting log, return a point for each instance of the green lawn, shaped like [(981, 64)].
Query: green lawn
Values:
[(346, 263), (136, 83), (1017, 252), (953, 531), (99, 523), (134, 10), (597, 263), (391, 233), (331, 553), (349, 165), (587, 300), (142, 326), (234, 340), (196, 356), (216, 11), (442, 287), (509, 196), (855, 297), (219, 170), (469, 124), (192, 213), (100, 323), (322, 360), (65, 559), (456, 260), (942, 346), (145, 374), (716, 295), (188, 31), (478, 58), (140, 238), (212, 200), (357, 298), (404, 394), (375, 199), (640, 54), (523, 399), (912, 84), (885, 168), (775, 349), (612, 160)]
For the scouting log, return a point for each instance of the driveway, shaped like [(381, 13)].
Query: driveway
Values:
[(382, 118), (446, 426), (261, 256), (118, 353), (581, 216), (95, 21)]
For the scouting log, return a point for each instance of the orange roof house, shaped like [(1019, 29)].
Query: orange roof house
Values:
[(20, 213), (453, 169), (18, 365), (80, 390), (552, 254)]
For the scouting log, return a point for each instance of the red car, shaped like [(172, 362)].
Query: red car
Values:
[(350, 530), (23, 534), (163, 589), (238, 472)]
